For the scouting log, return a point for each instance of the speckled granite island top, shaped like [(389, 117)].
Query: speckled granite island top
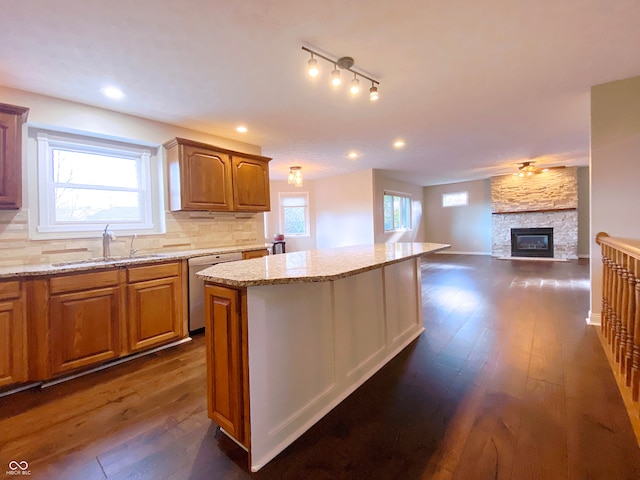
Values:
[(315, 265)]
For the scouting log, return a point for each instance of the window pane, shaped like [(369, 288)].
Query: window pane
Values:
[(388, 212), (86, 205), (294, 220), (397, 212), (455, 199), (82, 168)]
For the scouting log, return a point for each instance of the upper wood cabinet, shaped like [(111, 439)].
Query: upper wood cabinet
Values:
[(204, 177), (11, 120)]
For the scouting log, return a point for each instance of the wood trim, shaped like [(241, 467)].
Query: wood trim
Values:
[(39, 329), (192, 143), (625, 245), (542, 210)]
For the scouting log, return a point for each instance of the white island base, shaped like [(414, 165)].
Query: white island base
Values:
[(307, 346)]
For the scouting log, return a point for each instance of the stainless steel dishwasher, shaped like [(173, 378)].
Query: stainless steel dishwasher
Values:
[(196, 285)]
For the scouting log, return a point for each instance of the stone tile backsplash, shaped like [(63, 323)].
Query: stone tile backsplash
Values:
[(185, 231)]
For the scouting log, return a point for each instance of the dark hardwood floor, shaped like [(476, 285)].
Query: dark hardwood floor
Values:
[(507, 382)]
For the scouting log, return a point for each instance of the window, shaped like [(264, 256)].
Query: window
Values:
[(456, 199), (397, 212), (85, 183), (294, 214)]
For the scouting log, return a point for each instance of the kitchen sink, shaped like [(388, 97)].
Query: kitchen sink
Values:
[(112, 259)]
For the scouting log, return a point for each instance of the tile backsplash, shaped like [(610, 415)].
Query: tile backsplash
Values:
[(184, 231)]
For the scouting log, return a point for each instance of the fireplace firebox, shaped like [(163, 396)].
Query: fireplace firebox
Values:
[(532, 242)]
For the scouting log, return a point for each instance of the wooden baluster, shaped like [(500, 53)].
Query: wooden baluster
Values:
[(606, 282), (631, 316), (615, 306), (605, 285), (623, 312), (610, 296), (635, 367)]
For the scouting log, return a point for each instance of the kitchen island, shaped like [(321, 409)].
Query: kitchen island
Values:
[(290, 336)]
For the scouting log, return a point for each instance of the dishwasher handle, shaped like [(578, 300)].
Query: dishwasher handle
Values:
[(213, 259)]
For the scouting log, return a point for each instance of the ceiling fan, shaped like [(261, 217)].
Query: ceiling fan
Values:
[(527, 169)]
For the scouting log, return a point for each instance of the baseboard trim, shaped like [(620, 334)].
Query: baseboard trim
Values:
[(584, 256), (594, 319), (458, 252)]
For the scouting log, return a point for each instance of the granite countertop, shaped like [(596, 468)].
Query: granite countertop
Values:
[(78, 266), (315, 265)]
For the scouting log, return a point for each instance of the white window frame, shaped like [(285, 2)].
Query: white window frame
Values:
[(42, 223), (448, 199), (283, 195), (401, 195)]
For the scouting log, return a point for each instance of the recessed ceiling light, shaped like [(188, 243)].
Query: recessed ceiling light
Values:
[(398, 143), (112, 92), (241, 129), (353, 154)]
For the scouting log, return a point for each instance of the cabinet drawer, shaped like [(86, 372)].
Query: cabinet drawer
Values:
[(9, 290), (84, 281), (152, 272)]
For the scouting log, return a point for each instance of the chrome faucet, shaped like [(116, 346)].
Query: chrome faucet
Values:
[(132, 251), (107, 238)]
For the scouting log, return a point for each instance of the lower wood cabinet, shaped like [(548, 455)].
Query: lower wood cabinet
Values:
[(254, 254), (228, 380), (13, 348), (85, 319), (154, 305), (84, 325)]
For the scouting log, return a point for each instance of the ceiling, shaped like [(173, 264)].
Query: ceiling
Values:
[(472, 87)]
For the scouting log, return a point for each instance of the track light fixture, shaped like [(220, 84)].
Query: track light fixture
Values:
[(344, 63)]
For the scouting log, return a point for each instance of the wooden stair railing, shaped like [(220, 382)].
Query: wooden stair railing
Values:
[(620, 306)]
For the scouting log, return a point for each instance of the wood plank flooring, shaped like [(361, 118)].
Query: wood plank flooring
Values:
[(507, 382)]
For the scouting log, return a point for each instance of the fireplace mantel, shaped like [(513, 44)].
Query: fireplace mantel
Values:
[(546, 210)]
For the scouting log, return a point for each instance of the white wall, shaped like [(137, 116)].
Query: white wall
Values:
[(615, 176), (272, 218), (584, 241), (344, 210), (467, 228), (382, 183)]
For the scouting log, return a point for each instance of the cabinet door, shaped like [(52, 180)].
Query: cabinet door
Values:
[(225, 377), (254, 254), (250, 184), (84, 328), (11, 120), (206, 180), (154, 312), (13, 341)]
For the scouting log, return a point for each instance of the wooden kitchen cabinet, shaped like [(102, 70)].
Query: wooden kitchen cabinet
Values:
[(228, 379), (13, 334), (154, 305), (11, 120), (250, 184), (254, 254), (203, 177), (85, 315)]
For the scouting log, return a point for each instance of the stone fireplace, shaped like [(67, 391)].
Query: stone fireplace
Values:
[(532, 242), (547, 201)]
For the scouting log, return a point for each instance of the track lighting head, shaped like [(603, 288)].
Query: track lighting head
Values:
[(373, 93), (342, 63), (335, 77), (355, 85), (312, 64)]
